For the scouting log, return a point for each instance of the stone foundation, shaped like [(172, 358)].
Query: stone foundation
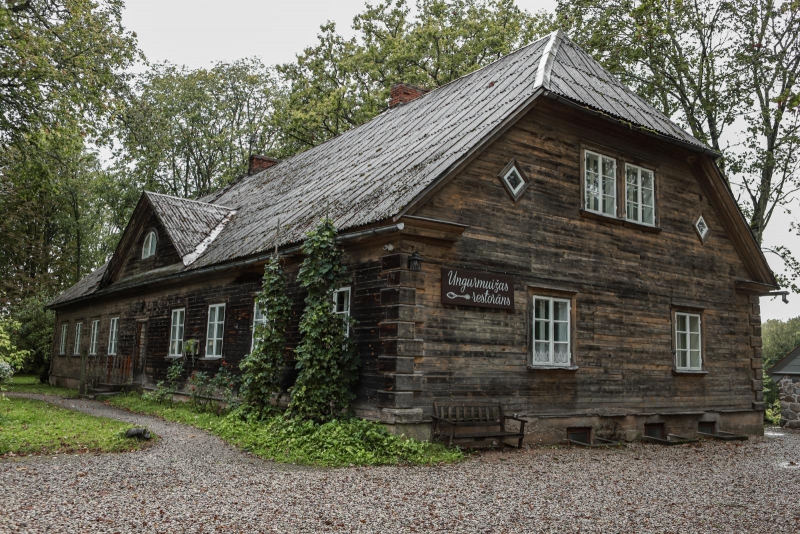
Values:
[(789, 388)]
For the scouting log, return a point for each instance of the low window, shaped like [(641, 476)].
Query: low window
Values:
[(259, 319), (341, 303), (513, 180), (94, 335), (62, 349), (176, 333), (688, 348), (600, 184), (551, 332), (655, 430), (639, 195), (149, 247), (78, 330), (215, 331), (113, 327)]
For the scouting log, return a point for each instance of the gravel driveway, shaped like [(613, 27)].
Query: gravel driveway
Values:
[(194, 482)]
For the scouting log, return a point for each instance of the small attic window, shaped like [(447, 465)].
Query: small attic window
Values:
[(702, 228), (513, 180), (149, 247)]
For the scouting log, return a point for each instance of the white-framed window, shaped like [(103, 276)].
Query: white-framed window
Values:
[(551, 332), (77, 347), (215, 331), (513, 180), (639, 195), (176, 332), (149, 247), (341, 303), (701, 227), (259, 318), (688, 342), (95, 335), (113, 330), (600, 183), (62, 348)]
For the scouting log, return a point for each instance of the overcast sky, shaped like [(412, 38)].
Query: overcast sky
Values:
[(200, 32)]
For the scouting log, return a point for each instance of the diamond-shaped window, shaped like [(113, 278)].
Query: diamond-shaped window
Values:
[(702, 228), (513, 180)]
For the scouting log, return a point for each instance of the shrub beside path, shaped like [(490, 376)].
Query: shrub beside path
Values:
[(192, 481)]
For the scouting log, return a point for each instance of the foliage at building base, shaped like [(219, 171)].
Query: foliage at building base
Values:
[(326, 361), (262, 368)]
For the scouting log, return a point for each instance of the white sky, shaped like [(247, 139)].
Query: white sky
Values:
[(200, 32)]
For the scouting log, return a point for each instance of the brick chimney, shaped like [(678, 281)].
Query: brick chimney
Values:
[(257, 163), (403, 93)]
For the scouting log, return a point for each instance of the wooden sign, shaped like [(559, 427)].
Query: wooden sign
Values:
[(472, 288)]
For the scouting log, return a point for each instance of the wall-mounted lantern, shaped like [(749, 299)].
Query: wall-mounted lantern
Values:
[(415, 262)]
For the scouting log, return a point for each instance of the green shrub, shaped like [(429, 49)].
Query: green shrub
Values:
[(261, 369), (336, 443), (326, 360)]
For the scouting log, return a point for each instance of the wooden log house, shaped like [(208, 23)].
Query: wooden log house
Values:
[(533, 234)]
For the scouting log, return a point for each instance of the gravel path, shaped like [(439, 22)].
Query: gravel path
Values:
[(194, 482)]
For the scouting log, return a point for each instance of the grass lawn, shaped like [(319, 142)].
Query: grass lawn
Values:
[(334, 444), (31, 384), (35, 427)]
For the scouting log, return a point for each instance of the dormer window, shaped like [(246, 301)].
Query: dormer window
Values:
[(149, 247), (513, 180)]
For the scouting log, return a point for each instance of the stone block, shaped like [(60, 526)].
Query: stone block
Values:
[(401, 312), (395, 399), (399, 295), (756, 363), (795, 407), (397, 329), (402, 415), (759, 406), (759, 396), (758, 374), (408, 382), (395, 364), (755, 341), (756, 385), (792, 424)]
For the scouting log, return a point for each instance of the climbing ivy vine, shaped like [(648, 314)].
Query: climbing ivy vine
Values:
[(262, 368), (326, 360)]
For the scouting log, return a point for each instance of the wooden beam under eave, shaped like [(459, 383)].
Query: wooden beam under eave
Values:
[(752, 287), (713, 184)]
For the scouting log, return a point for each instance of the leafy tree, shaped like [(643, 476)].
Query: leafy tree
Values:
[(326, 359), (60, 59), (34, 335), (340, 83), (726, 70), (9, 353), (189, 132), (53, 220), (263, 367), (779, 339)]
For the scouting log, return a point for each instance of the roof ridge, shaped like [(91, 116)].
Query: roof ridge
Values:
[(189, 200), (548, 58)]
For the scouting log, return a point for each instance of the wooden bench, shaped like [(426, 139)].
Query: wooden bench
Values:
[(479, 421)]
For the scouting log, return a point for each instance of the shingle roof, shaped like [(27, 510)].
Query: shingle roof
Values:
[(374, 171), (187, 222), (86, 286)]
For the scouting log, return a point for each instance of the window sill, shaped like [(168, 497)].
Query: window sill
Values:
[(620, 222), (174, 356), (688, 372), (209, 358), (552, 367), (75, 355)]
